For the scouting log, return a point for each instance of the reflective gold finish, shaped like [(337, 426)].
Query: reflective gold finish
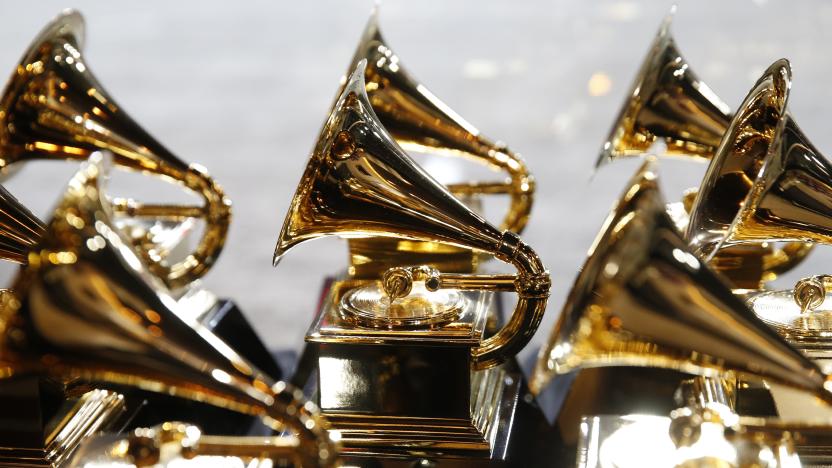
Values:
[(668, 103), (88, 309), (54, 108), (643, 299), (710, 436), (20, 230), (809, 293), (417, 120), (767, 182), (176, 443), (85, 416), (359, 183)]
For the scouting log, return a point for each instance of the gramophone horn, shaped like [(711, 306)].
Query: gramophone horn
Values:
[(419, 121), (669, 103), (642, 299), (20, 230), (54, 108), (359, 183), (767, 182), (86, 308)]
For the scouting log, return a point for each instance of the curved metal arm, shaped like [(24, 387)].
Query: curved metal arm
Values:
[(519, 186), (531, 284), (151, 446)]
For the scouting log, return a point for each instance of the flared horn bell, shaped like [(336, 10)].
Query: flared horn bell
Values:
[(642, 299), (669, 103), (419, 121), (20, 230), (767, 181), (54, 108), (87, 308), (360, 183)]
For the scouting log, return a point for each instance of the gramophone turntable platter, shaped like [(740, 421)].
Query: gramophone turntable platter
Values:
[(370, 306), (778, 309)]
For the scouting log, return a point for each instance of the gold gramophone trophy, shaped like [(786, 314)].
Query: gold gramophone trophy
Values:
[(785, 184), (87, 310), (41, 422), (403, 369), (644, 300), (419, 121), (53, 107), (669, 104)]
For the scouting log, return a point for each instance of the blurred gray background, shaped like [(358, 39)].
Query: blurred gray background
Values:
[(243, 87)]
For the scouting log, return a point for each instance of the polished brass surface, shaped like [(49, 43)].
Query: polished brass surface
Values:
[(181, 444), (807, 330), (20, 230), (711, 435), (359, 183), (809, 293), (79, 418), (767, 182), (87, 308), (371, 307), (417, 120), (668, 103), (643, 299), (410, 392), (54, 108)]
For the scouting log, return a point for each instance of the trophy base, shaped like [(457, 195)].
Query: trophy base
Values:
[(397, 401), (42, 427)]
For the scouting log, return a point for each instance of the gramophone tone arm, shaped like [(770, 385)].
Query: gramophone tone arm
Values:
[(144, 447), (810, 292), (531, 284), (133, 208), (476, 188), (397, 282)]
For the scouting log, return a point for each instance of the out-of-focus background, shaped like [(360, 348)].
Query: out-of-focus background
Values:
[(243, 87)]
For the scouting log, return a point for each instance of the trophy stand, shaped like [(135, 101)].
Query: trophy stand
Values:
[(406, 394), (43, 423)]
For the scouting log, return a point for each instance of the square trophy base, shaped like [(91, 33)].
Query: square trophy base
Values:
[(399, 396), (41, 426)]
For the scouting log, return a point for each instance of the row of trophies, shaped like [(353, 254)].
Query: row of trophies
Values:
[(669, 351)]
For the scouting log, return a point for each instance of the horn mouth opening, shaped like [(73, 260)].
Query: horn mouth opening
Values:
[(642, 85), (69, 25), (737, 173), (639, 208)]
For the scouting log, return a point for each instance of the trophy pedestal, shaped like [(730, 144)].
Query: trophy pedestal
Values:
[(400, 396), (41, 426)]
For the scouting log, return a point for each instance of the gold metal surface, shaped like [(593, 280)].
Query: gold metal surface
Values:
[(80, 418), (20, 230), (809, 293), (643, 299), (54, 108), (181, 444), (411, 391), (359, 183), (668, 103), (417, 120), (87, 308), (767, 182)]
